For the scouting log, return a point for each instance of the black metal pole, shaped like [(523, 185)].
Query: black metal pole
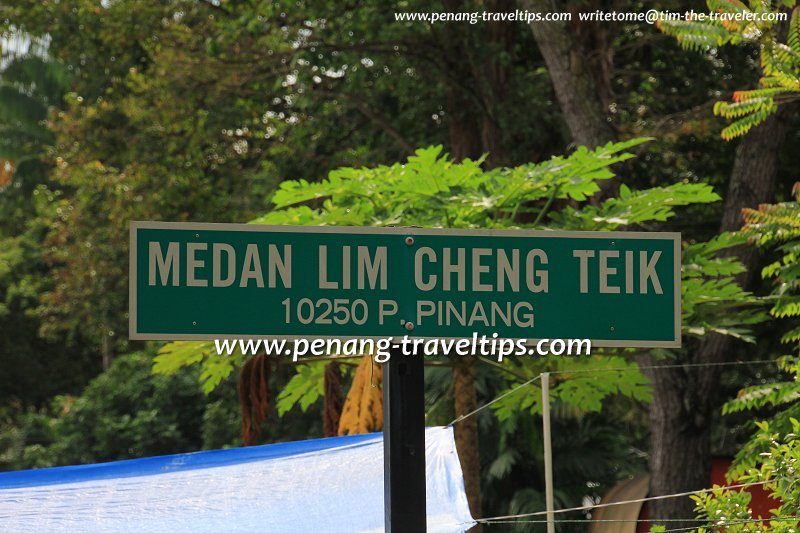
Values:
[(404, 444)]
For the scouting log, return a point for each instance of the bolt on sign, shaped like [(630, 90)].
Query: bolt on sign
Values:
[(207, 281)]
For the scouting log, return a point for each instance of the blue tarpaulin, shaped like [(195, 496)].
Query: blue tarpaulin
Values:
[(333, 484)]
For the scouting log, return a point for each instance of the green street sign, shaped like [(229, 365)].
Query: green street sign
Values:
[(211, 281)]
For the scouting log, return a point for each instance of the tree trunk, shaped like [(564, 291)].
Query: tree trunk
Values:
[(466, 431), (582, 86), (463, 126), (332, 401), (754, 171), (680, 424), (684, 403), (576, 89), (464, 144), (492, 74), (477, 75), (679, 442), (463, 117)]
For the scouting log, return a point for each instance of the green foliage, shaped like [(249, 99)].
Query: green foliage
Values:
[(634, 207), (778, 226), (582, 383), (779, 55), (770, 394), (176, 355), (771, 455), (33, 368), (127, 143), (29, 86), (724, 508), (304, 389), (776, 472), (125, 412), (430, 190), (712, 299), (712, 302)]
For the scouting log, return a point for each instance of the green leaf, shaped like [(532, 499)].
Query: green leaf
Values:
[(305, 388), (176, 355)]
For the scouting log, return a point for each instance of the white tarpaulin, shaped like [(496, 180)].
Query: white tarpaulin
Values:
[(331, 485)]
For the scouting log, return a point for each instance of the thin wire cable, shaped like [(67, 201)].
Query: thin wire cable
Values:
[(657, 367), (735, 523), (590, 370), (638, 500), (587, 520), (484, 406), (502, 519), (659, 521)]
